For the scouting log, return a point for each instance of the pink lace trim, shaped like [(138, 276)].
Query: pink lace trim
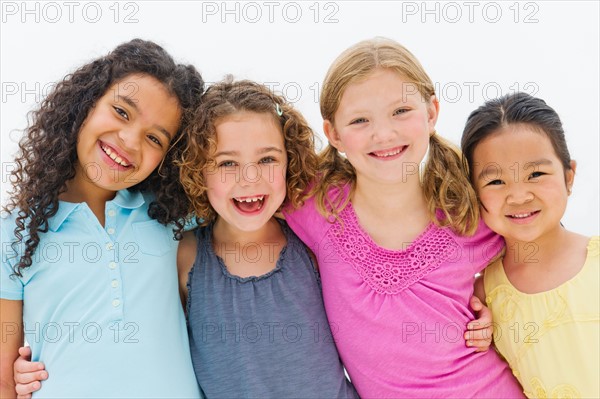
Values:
[(387, 271)]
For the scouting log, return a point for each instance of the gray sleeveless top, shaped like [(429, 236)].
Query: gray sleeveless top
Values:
[(262, 337)]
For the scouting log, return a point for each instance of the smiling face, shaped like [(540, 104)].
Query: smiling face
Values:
[(521, 183), (383, 126), (247, 185), (126, 135)]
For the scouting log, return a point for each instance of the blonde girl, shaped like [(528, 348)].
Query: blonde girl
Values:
[(398, 253)]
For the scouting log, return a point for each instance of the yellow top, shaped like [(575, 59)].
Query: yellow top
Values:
[(550, 339)]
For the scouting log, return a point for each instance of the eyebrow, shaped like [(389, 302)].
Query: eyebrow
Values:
[(494, 167), (260, 152), (538, 162), (133, 105)]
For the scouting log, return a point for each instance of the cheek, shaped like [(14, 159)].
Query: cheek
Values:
[(216, 195), (491, 201), (214, 184), (417, 123), (350, 140), (152, 158), (555, 193), (490, 208), (96, 124), (277, 177)]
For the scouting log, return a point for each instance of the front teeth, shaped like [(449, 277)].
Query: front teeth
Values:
[(254, 199), (388, 154), (522, 215), (114, 156)]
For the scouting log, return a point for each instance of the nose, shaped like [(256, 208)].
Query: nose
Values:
[(250, 173), (519, 194), (130, 138), (384, 131)]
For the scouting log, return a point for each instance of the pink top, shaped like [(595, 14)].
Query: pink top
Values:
[(398, 317)]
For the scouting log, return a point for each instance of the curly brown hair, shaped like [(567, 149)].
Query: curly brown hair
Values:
[(228, 98), (445, 184), (54, 129)]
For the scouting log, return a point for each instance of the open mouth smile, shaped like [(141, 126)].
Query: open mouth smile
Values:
[(249, 205), (116, 158)]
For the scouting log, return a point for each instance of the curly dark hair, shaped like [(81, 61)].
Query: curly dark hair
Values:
[(53, 132), (227, 98)]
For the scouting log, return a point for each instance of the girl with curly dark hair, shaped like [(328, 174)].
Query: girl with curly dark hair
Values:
[(255, 311), (88, 256)]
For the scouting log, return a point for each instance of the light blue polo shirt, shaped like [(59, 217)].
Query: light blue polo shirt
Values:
[(101, 305)]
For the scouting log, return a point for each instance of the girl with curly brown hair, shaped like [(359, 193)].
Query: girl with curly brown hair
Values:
[(255, 312), (88, 256)]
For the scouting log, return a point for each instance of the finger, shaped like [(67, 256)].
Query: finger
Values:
[(25, 366), (476, 303), (485, 334), (484, 320), (25, 351), (478, 343), (480, 324), (27, 389), (26, 378)]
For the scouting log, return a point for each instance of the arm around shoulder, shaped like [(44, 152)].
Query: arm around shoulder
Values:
[(11, 319), (479, 291)]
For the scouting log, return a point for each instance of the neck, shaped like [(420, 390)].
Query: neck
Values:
[(392, 214), (541, 251), (81, 189), (224, 233), (404, 198)]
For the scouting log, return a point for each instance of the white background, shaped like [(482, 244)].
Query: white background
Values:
[(472, 50)]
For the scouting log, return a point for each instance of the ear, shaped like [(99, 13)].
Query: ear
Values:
[(570, 176), (332, 135), (433, 110)]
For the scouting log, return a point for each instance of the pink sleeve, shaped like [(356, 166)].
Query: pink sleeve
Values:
[(483, 246), (308, 224)]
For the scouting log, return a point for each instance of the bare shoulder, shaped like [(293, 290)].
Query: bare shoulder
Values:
[(186, 253), (579, 247)]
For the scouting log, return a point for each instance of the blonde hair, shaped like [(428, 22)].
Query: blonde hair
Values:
[(228, 98), (445, 183)]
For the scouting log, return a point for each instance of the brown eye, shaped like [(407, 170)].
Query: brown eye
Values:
[(495, 182), (535, 175), (155, 140), (121, 112)]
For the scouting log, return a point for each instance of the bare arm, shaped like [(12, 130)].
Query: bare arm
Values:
[(479, 331), (11, 320), (186, 255), (479, 288), (28, 375)]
